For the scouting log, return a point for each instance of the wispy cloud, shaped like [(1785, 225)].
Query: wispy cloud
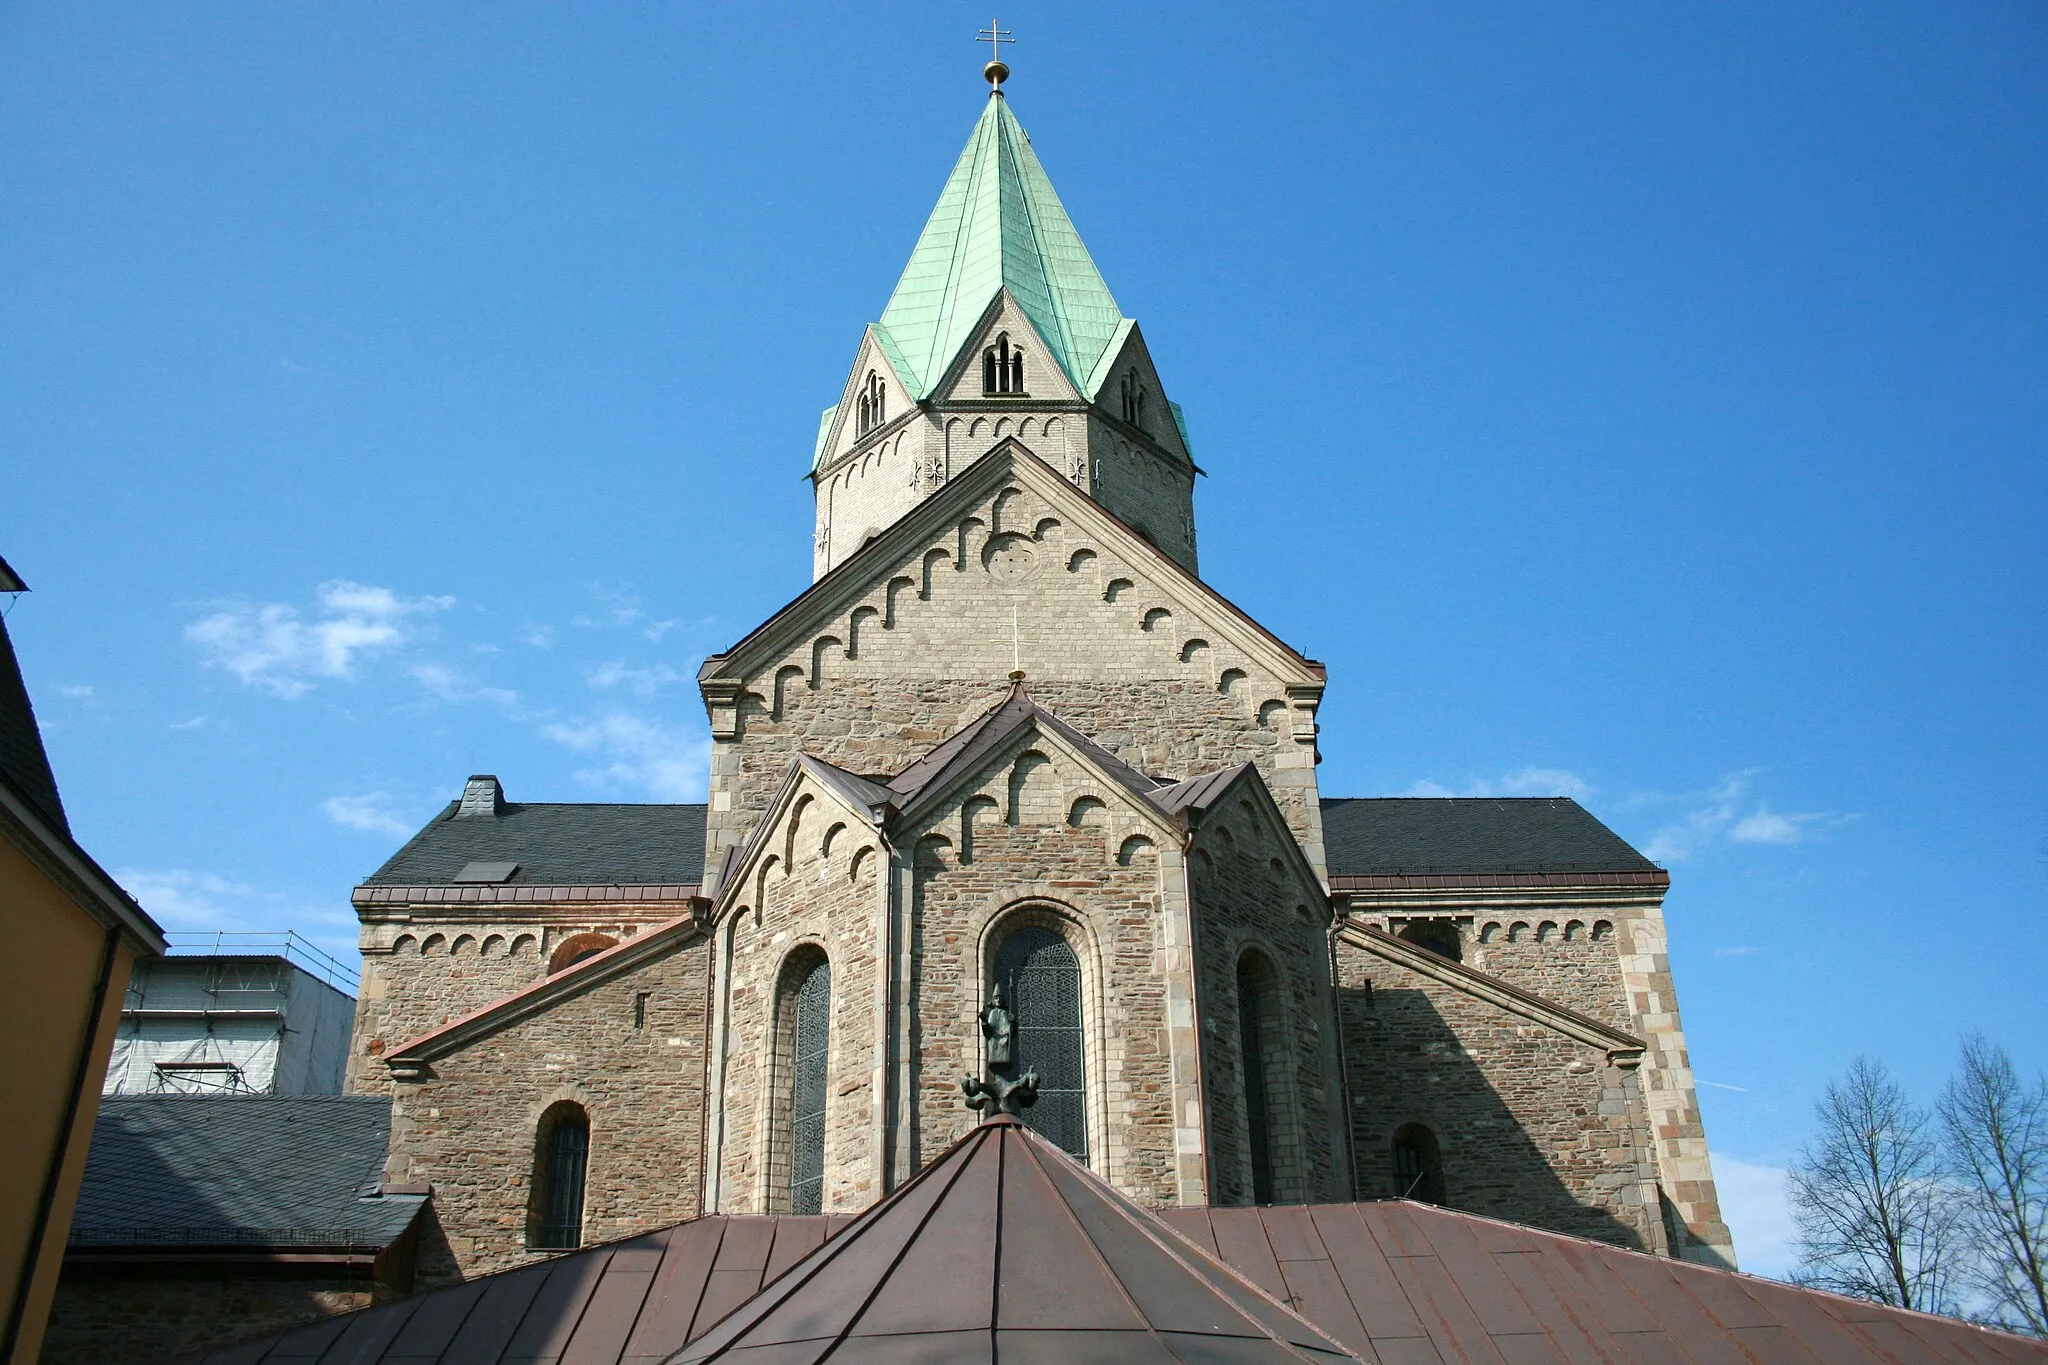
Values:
[(611, 607), (81, 692), (1735, 950), (193, 724), (275, 648), (644, 682), (1728, 812), (638, 753), (448, 685), (1530, 781), (371, 812)]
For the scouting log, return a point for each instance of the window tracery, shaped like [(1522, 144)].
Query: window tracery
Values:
[(1041, 979), (1002, 367)]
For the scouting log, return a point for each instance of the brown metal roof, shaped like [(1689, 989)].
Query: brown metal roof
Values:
[(1408, 1284), (1393, 1282), (1005, 1249)]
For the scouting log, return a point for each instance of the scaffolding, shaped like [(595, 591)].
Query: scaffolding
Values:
[(234, 1013)]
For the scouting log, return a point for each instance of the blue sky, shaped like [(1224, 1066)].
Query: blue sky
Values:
[(1643, 402)]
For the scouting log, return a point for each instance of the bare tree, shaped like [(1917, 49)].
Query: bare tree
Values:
[(1998, 1151), (1875, 1218)]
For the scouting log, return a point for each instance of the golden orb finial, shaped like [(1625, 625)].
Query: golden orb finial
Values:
[(995, 73)]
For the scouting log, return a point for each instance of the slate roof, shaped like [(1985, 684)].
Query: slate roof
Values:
[(241, 1171), (998, 223), (1394, 835), (557, 844), (1400, 1283), (24, 765)]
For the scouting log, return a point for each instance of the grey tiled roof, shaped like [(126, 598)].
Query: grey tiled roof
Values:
[(1371, 836), (240, 1170), (557, 845)]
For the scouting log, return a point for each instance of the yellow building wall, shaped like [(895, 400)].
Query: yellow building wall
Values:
[(47, 984)]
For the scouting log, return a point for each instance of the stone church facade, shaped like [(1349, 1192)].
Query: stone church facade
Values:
[(1010, 777)]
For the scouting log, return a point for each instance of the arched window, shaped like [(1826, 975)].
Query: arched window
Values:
[(1041, 979), (1002, 367), (870, 409), (561, 1156), (1418, 1165), (1437, 935), (1255, 1030), (576, 947), (804, 1031)]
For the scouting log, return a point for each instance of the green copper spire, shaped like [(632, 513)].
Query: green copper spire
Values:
[(998, 223)]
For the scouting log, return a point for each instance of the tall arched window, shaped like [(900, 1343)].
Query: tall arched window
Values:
[(869, 411), (1254, 1030), (561, 1159), (1418, 1165), (1041, 980), (805, 1036)]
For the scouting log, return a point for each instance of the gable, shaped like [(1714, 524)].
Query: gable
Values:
[(1238, 803), (1005, 325), (410, 1059), (1008, 565), (814, 803), (1129, 363), (841, 429), (1619, 1046)]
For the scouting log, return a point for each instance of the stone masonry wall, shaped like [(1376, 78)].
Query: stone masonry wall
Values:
[(817, 889), (423, 967), (1045, 842), (1603, 954), (1249, 896), (1533, 1126), (930, 646), (630, 1050)]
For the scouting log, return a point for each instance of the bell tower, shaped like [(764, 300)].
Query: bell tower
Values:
[(1001, 327)]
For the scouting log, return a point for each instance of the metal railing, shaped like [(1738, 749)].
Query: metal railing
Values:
[(290, 945)]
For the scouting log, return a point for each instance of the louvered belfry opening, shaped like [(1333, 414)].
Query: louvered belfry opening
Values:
[(810, 1044), (564, 1160), (1041, 978)]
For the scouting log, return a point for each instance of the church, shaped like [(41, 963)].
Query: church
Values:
[(1012, 810)]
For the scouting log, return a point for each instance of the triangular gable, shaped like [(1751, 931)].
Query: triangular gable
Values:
[(1197, 797), (966, 755), (865, 801), (1043, 378), (876, 354), (409, 1059), (826, 604), (1620, 1047), (1163, 425)]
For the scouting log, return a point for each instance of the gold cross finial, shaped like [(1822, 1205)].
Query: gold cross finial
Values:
[(995, 71)]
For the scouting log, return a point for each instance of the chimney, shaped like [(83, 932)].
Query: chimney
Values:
[(481, 795)]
